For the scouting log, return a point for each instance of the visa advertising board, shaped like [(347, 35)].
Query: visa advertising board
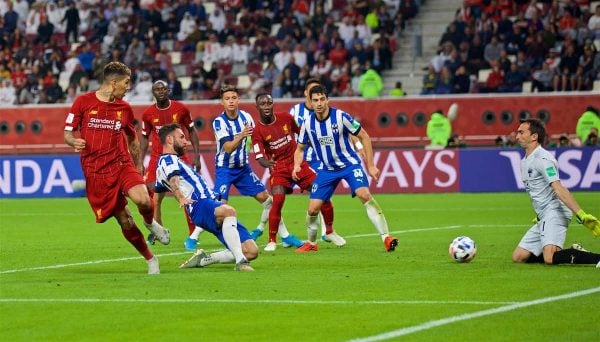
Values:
[(402, 171)]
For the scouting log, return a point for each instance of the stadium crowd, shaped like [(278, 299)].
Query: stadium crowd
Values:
[(551, 44), (51, 51)]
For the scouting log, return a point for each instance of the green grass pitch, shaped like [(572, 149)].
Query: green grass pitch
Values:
[(64, 278)]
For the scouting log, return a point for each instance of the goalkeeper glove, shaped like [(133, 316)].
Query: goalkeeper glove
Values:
[(590, 221)]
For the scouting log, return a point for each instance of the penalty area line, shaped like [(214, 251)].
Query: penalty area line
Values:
[(477, 314)]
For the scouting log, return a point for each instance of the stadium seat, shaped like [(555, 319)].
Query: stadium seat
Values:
[(274, 29), (167, 44), (185, 81), (243, 82), (180, 70), (209, 7), (63, 83), (483, 74), (175, 57)]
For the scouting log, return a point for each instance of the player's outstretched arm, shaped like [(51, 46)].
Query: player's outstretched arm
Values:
[(588, 220)]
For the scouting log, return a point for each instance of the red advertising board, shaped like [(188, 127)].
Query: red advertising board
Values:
[(390, 122)]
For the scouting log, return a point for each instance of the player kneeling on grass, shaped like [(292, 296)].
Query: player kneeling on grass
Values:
[(553, 205), (191, 191)]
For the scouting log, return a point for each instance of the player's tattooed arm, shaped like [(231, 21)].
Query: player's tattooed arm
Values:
[(77, 143), (174, 186), (134, 148)]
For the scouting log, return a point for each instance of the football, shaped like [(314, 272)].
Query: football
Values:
[(462, 249)]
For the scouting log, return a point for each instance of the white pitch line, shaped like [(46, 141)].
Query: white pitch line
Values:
[(83, 263), (21, 214), (464, 317), (242, 301), (416, 230)]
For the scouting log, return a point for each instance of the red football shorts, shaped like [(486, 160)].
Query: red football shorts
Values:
[(282, 175), (106, 193)]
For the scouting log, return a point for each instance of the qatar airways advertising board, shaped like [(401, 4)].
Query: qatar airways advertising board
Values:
[(402, 171)]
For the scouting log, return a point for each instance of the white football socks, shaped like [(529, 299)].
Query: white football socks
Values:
[(264, 216), (222, 257), (196, 233), (232, 238), (312, 224), (377, 218)]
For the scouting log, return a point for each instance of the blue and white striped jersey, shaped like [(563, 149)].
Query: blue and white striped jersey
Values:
[(330, 138), (300, 112), (191, 184), (225, 130)]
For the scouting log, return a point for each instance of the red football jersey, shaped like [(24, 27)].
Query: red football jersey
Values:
[(276, 140), (101, 124), (154, 118)]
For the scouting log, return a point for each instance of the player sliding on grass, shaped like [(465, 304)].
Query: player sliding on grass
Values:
[(553, 204), (111, 160), (191, 191), (328, 132), (274, 143)]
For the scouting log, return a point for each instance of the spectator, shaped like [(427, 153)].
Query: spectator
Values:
[(429, 81), (338, 55), (55, 16), (494, 81), (72, 21), (44, 31), (589, 120), (11, 18), (592, 138), (370, 84), (397, 91), (461, 82), (54, 92), (513, 80), (567, 67), (175, 89), (142, 92), (541, 80), (594, 24), (445, 82), (86, 59), (8, 94), (492, 50), (439, 129)]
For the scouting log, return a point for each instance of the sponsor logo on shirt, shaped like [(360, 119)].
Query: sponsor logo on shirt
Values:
[(326, 140)]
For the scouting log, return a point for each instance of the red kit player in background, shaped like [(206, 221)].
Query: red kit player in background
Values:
[(163, 112), (111, 161), (273, 142)]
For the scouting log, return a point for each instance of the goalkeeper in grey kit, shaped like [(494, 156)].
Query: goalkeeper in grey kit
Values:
[(554, 206)]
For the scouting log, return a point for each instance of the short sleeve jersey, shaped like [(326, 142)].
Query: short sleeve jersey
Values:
[(300, 112), (538, 171), (153, 118), (225, 129), (102, 124), (276, 140), (330, 138), (191, 184)]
